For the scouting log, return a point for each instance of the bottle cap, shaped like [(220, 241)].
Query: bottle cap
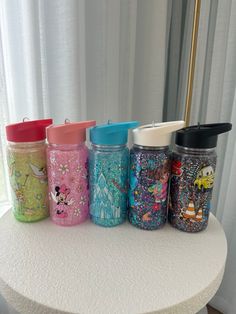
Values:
[(201, 135), (27, 131), (156, 134), (68, 133), (111, 133)]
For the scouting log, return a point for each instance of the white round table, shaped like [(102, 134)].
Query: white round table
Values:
[(45, 268)]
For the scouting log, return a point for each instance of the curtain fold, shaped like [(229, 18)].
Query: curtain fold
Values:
[(85, 59)]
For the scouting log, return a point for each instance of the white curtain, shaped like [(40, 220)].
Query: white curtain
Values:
[(120, 60), (86, 59), (214, 99), (96, 59)]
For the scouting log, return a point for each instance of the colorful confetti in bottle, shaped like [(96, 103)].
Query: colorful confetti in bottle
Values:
[(67, 164), (108, 171), (192, 180), (27, 169), (192, 176), (149, 174)]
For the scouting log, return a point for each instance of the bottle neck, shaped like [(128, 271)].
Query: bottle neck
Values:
[(106, 148), (26, 144), (194, 151), (141, 147), (66, 146)]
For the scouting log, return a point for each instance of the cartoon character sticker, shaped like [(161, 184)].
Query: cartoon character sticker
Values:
[(39, 173), (191, 214), (205, 178), (60, 197), (176, 169), (159, 189), (19, 190)]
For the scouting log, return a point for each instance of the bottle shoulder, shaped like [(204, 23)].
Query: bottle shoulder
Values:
[(26, 146), (67, 147), (97, 149), (138, 150), (183, 151)]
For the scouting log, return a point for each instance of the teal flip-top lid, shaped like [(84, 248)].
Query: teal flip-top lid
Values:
[(112, 133)]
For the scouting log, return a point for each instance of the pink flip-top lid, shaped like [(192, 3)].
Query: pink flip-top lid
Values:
[(68, 133)]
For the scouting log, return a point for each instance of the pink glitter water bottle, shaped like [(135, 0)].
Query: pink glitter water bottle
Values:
[(67, 165)]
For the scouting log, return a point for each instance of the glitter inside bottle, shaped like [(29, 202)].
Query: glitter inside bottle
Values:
[(68, 183), (192, 176), (26, 156), (149, 174), (108, 173), (67, 164), (108, 184), (149, 177)]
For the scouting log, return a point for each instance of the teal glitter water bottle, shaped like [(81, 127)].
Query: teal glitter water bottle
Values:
[(108, 173)]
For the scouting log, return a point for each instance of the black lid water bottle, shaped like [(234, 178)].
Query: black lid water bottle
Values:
[(192, 175)]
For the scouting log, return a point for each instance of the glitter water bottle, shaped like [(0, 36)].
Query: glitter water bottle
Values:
[(67, 164), (26, 155), (108, 173), (192, 175), (149, 174)]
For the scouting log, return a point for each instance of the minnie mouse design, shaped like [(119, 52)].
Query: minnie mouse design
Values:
[(61, 194), (60, 197)]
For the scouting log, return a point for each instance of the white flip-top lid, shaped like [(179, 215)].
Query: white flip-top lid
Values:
[(156, 134)]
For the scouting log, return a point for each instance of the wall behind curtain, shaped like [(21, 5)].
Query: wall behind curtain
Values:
[(85, 59)]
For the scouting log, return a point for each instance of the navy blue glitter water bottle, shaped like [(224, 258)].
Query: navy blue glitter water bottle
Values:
[(108, 173), (149, 174), (192, 175)]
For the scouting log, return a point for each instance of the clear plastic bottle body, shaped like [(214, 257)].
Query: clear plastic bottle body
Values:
[(68, 183), (192, 180), (108, 179), (149, 182), (28, 180)]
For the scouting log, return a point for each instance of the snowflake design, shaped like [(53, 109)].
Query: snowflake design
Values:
[(77, 212), (79, 168), (82, 200), (84, 175), (53, 160), (80, 188), (64, 169)]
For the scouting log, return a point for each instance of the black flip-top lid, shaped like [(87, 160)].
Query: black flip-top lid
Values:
[(201, 135)]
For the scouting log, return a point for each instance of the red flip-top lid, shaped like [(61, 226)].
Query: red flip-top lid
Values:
[(27, 131)]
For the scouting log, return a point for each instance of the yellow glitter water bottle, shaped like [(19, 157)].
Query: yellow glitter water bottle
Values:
[(26, 154)]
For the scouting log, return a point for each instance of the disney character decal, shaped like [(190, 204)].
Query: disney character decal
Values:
[(205, 178), (61, 199), (159, 189), (39, 173), (176, 169), (20, 190)]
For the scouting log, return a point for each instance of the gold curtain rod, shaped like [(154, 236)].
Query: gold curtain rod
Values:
[(192, 61)]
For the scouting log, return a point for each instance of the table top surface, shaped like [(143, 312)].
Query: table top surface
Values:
[(90, 269)]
